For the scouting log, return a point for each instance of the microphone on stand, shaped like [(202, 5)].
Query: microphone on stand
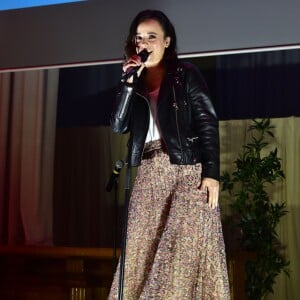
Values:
[(114, 175), (132, 71)]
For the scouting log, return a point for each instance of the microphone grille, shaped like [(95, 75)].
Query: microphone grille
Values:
[(144, 55), (119, 164)]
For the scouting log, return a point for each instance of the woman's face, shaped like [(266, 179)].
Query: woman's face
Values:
[(151, 36)]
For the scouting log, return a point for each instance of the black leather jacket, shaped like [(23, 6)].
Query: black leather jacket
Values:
[(187, 119)]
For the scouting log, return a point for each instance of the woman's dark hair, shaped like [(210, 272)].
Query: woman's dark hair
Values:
[(168, 28)]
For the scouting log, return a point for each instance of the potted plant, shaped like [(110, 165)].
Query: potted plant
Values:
[(254, 214)]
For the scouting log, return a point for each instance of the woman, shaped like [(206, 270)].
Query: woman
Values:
[(175, 247)]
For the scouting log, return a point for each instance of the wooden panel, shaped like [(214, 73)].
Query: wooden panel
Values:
[(66, 273), (46, 273), (236, 271)]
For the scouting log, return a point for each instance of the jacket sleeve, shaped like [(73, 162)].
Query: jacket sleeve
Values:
[(205, 123), (120, 116)]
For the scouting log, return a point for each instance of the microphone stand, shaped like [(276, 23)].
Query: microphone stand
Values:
[(124, 235), (115, 229), (124, 231), (113, 184), (127, 198)]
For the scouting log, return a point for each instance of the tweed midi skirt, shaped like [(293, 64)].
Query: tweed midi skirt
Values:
[(175, 248)]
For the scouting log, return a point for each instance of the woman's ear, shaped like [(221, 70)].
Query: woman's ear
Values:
[(167, 42)]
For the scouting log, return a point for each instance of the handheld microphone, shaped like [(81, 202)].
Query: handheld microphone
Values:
[(114, 175), (132, 71)]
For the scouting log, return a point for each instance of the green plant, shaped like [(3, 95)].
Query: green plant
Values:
[(254, 214)]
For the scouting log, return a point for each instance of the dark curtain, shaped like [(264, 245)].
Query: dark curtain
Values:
[(84, 213), (86, 95), (258, 85)]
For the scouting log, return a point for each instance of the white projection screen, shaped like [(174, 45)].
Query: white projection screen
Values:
[(93, 31)]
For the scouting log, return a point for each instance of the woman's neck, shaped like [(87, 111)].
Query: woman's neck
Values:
[(154, 77)]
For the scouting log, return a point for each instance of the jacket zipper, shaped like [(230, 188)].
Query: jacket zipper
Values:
[(177, 124)]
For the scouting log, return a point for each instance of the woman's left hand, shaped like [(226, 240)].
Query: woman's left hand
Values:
[(211, 186)]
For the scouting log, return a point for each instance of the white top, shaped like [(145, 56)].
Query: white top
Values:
[(153, 130)]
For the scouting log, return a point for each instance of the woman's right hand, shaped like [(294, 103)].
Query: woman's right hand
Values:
[(132, 62)]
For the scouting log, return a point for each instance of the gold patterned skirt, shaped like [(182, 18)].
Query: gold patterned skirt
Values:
[(175, 247)]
